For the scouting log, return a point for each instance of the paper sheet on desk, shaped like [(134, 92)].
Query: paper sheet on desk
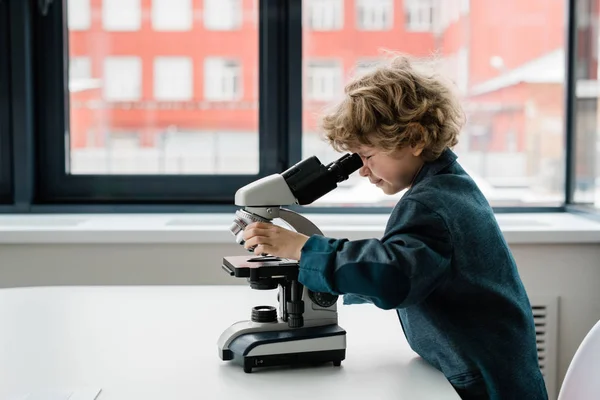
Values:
[(60, 394)]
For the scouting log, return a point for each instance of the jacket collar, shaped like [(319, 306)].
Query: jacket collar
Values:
[(431, 168)]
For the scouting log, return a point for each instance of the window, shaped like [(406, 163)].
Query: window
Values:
[(172, 15), (133, 96), (127, 103), (208, 152), (585, 188), (374, 15), (512, 92), (324, 79), (222, 79), (80, 68), (80, 75), (419, 15), (121, 15), (465, 6), (364, 66), (122, 78), (222, 15), (79, 16), (173, 78), (325, 15)]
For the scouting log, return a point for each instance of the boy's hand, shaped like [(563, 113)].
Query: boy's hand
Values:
[(274, 240)]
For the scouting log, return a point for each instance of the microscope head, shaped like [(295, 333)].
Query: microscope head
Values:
[(301, 184)]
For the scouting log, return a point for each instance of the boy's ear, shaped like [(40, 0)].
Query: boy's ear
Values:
[(417, 149)]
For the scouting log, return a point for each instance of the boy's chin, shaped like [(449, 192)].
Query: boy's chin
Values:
[(388, 190), (391, 190)]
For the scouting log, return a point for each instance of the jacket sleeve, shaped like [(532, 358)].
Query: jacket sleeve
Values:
[(403, 268)]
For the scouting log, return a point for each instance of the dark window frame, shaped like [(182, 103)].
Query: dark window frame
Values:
[(33, 176), (6, 162), (51, 105)]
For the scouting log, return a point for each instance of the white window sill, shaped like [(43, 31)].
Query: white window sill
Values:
[(214, 228)]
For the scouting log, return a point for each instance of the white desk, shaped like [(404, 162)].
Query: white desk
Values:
[(150, 343)]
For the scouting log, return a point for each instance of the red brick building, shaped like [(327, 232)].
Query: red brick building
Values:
[(176, 81)]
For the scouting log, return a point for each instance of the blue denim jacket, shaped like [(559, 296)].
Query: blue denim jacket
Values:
[(445, 267)]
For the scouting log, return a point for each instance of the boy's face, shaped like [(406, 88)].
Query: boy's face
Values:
[(391, 172)]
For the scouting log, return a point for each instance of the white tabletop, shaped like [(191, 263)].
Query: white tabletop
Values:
[(151, 343)]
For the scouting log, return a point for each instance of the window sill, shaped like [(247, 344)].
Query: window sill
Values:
[(214, 228)]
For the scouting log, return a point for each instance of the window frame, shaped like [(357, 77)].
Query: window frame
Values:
[(8, 96), (30, 126), (571, 46), (278, 112)]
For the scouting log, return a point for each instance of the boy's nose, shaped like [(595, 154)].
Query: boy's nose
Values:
[(363, 171)]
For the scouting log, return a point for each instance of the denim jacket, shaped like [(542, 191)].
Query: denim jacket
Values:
[(444, 266)]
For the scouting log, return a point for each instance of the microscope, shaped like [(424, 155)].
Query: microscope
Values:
[(304, 328)]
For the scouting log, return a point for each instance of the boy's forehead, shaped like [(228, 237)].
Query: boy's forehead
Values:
[(360, 149)]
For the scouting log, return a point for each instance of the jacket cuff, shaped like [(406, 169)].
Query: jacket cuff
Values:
[(350, 299), (317, 263)]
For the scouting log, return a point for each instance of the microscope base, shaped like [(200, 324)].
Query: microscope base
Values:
[(293, 359), (300, 346)]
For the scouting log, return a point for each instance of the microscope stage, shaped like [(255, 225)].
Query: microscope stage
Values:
[(259, 267)]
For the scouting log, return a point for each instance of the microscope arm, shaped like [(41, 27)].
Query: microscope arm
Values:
[(300, 223)]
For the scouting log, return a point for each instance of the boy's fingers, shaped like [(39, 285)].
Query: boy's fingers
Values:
[(252, 232), (255, 240), (263, 249)]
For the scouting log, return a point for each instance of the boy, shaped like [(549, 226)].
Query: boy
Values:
[(442, 263)]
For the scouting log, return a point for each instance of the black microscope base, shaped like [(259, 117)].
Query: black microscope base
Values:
[(292, 359), (298, 342)]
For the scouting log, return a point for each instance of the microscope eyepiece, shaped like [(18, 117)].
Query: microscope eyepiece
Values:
[(309, 179), (343, 167)]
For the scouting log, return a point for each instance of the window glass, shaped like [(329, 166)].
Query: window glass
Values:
[(152, 93), (586, 188), (507, 61)]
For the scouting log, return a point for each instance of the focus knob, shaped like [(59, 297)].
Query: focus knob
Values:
[(264, 314)]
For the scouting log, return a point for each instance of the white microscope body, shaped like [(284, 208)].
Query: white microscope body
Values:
[(304, 328)]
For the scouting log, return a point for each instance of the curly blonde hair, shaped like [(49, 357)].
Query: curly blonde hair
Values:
[(397, 104)]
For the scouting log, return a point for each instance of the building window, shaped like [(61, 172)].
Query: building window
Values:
[(419, 15), (79, 15), (324, 80), (172, 15), (173, 78), (325, 15), (222, 79), (465, 7), (374, 15), (121, 15), (364, 66), (122, 78), (80, 74), (80, 68), (222, 15)]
